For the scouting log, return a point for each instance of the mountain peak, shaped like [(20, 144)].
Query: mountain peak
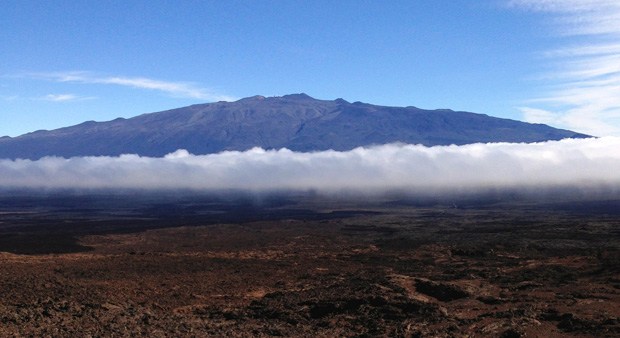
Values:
[(300, 96), (296, 121), (252, 98)]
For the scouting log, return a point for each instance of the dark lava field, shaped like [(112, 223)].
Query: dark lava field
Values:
[(183, 265)]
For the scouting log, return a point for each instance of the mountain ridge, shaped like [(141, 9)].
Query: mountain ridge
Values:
[(295, 121)]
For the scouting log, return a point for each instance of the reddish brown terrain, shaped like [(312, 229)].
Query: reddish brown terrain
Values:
[(196, 266)]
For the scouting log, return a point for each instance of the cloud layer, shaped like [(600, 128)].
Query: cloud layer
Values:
[(584, 92), (584, 163)]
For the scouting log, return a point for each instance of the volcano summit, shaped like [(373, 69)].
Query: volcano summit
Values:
[(297, 122)]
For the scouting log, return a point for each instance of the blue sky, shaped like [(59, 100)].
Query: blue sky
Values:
[(549, 61)]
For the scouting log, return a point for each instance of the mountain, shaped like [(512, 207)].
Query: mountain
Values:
[(298, 122)]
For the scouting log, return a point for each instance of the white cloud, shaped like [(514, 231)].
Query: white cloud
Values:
[(178, 89), (9, 97), (536, 115), (64, 97), (585, 84), (605, 49), (583, 163)]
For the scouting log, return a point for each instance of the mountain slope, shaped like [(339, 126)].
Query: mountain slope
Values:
[(297, 122)]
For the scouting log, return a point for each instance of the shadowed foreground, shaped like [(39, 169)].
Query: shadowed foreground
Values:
[(188, 266)]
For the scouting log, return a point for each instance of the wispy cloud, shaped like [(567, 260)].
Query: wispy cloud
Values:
[(64, 97), (9, 97), (584, 87), (177, 89), (587, 164)]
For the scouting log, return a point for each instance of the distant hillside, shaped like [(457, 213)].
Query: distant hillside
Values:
[(297, 122)]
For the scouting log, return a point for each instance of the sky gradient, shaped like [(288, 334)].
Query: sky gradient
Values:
[(549, 61)]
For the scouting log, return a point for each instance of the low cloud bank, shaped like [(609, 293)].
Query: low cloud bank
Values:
[(582, 163)]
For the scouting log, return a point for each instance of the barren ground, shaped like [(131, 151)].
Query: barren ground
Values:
[(128, 265)]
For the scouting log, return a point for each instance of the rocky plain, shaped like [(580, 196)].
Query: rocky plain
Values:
[(187, 265)]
